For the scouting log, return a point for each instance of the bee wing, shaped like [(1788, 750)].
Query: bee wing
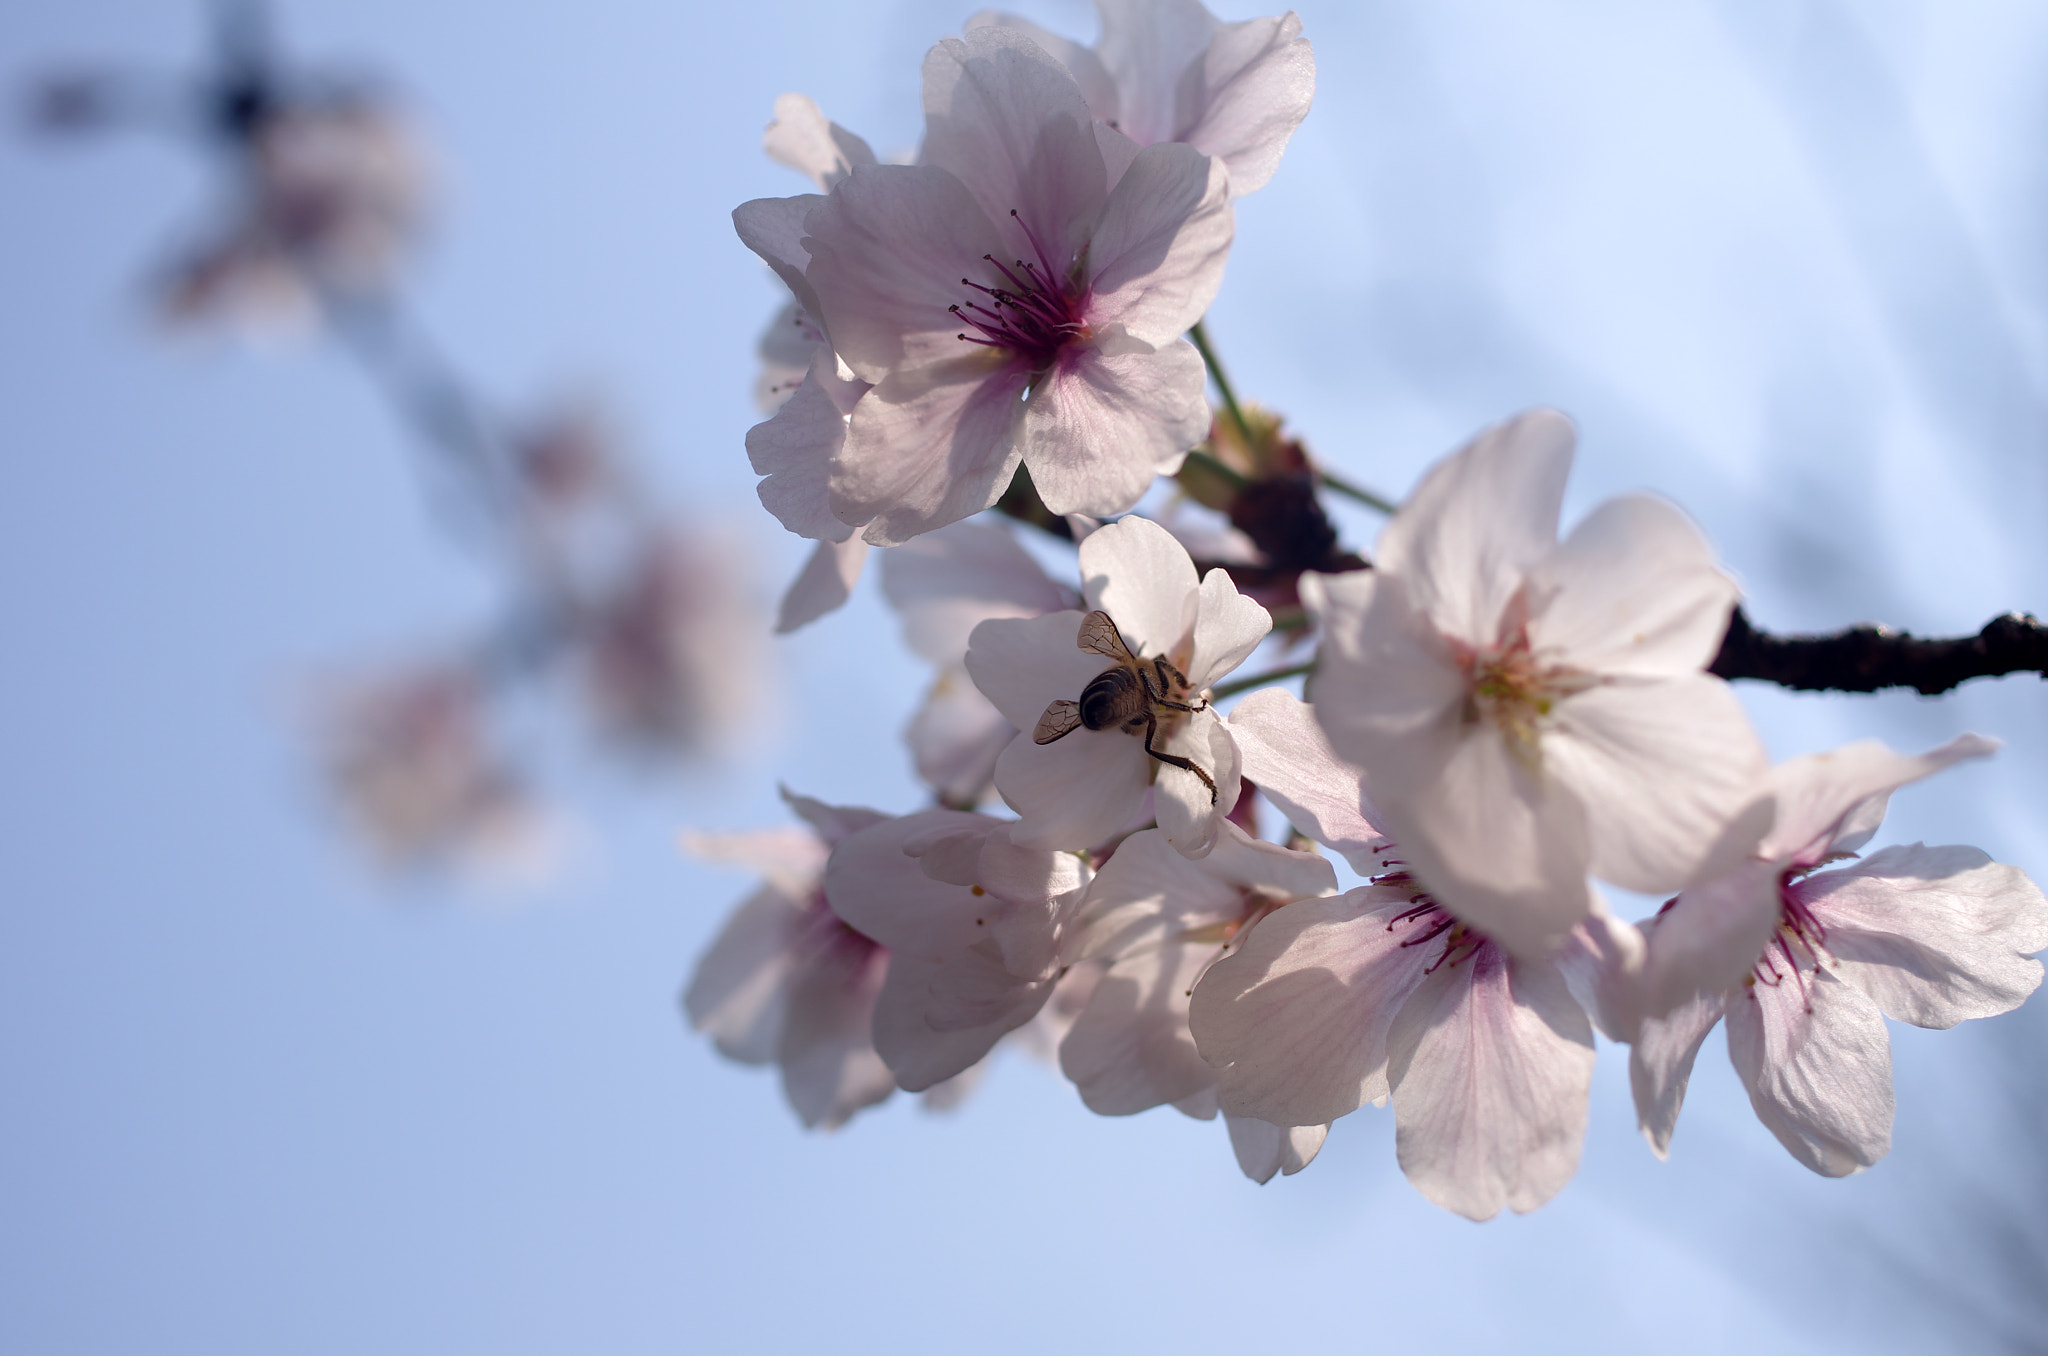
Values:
[(1061, 718), (1099, 634)]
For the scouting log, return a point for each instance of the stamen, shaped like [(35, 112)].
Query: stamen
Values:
[(1035, 316)]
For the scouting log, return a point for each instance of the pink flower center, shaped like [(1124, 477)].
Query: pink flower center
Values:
[(1515, 689), (1799, 946), (1031, 312), (1427, 921)]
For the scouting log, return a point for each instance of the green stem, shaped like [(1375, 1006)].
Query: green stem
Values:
[(1200, 337), (1229, 475), (1231, 689), (1362, 495)]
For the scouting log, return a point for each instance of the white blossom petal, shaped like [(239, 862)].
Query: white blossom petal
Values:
[(1833, 802), (1490, 1062), (1228, 627), (1478, 522), (917, 1054), (1602, 962), (1008, 119), (1190, 813), (823, 585), (794, 450), (1933, 935), (774, 228), (1074, 793), (1711, 935), (927, 447), (802, 138), (1134, 570), (1148, 47), (1108, 418), (1287, 756), (945, 583), (1264, 1149), (956, 736), (1097, 88), (1663, 769), (1148, 891), (1130, 1049), (1243, 102), (829, 1066), (1295, 1020), (1156, 258), (1660, 1064), (883, 892), (1633, 591), (1818, 1065), (1023, 664), (736, 993), (834, 823)]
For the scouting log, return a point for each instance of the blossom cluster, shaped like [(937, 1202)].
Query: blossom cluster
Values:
[(1496, 720)]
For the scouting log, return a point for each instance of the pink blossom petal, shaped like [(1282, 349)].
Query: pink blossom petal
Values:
[(1818, 1066), (1148, 46), (955, 738), (887, 251), (1228, 627), (1633, 591), (1134, 570), (823, 585), (1022, 665), (1503, 850), (1148, 890), (1385, 676), (774, 229), (736, 993), (1287, 756), (1009, 121), (829, 1066), (802, 138), (794, 450), (1602, 962), (1108, 418), (1296, 1019), (975, 991), (1490, 1062), (1478, 522), (1255, 84), (1075, 793), (918, 1055), (882, 892), (1130, 1049), (927, 447), (1711, 935), (945, 583), (1263, 1148), (791, 858), (1833, 802), (1664, 769), (834, 823), (1191, 815), (1660, 1064), (1156, 258), (1933, 935), (1097, 88)]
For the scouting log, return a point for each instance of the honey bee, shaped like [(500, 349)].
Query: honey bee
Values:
[(1128, 696)]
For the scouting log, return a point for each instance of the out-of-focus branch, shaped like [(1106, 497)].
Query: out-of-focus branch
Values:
[(1867, 658)]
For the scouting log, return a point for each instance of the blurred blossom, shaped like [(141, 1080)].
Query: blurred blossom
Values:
[(675, 653), (411, 764), (943, 585), (327, 197)]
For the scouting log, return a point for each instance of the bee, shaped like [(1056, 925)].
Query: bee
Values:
[(1127, 696)]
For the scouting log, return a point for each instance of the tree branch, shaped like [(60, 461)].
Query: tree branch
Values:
[(1867, 658)]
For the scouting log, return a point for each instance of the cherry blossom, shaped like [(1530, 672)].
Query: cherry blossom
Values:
[(1081, 788), (943, 585), (328, 200), (1167, 70), (410, 760), (1527, 710), (971, 921), (1381, 993), (1931, 936), (786, 982), (1019, 294)]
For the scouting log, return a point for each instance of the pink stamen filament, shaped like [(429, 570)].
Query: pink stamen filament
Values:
[(1034, 317), (1798, 932)]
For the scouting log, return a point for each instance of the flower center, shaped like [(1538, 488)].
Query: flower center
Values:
[(1515, 690), (1030, 311), (1427, 921), (1799, 947)]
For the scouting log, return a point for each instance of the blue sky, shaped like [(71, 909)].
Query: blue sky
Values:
[(1782, 262)]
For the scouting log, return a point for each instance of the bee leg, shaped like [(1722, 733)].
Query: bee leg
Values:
[(1166, 674), (1175, 760)]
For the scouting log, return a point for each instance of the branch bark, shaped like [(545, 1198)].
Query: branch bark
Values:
[(1867, 658)]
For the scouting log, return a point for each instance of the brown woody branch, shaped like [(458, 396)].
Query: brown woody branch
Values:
[(1867, 658)]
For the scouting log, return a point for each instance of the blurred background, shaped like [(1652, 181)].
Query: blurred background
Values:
[(1783, 261)]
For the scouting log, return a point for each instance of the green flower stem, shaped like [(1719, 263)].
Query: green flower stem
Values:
[(1200, 337)]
